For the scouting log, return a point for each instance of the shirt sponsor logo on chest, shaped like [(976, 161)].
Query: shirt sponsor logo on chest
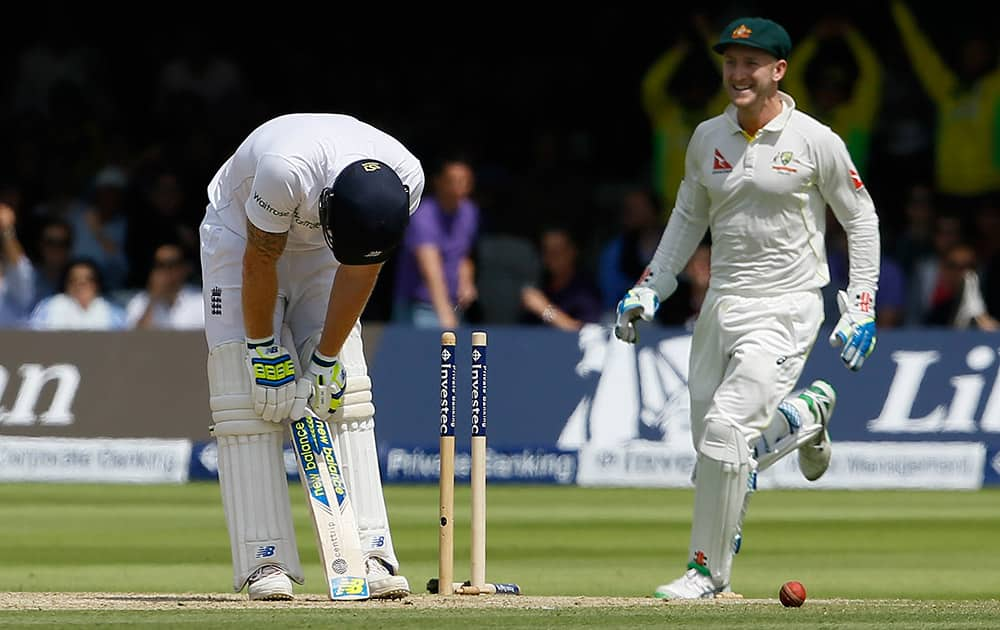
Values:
[(721, 164)]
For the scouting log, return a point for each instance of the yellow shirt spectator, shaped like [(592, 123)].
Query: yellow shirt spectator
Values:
[(672, 121), (967, 152), (848, 110)]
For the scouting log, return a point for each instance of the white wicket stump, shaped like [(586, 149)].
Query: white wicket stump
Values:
[(333, 515)]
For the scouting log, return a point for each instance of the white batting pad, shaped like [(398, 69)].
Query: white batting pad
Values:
[(357, 403), (726, 477), (255, 500), (355, 447), (791, 427), (251, 472), (229, 382)]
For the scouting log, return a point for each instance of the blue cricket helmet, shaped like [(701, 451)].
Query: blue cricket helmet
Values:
[(364, 213)]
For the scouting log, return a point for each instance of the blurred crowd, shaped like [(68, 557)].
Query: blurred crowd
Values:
[(532, 214)]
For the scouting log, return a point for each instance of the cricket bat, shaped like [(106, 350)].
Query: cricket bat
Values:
[(331, 509)]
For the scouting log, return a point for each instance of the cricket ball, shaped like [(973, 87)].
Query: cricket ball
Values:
[(792, 594)]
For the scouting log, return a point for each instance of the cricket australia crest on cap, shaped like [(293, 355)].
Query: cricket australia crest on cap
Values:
[(756, 32)]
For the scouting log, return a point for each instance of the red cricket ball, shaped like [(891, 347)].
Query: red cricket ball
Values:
[(792, 594)]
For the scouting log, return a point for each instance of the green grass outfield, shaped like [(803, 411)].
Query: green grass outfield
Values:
[(940, 549)]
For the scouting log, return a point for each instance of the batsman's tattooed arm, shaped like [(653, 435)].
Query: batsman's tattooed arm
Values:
[(260, 279), (267, 245)]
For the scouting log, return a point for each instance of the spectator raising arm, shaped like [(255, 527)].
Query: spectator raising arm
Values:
[(16, 271)]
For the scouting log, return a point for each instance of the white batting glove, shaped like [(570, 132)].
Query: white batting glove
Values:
[(321, 388), (639, 302), (856, 328), (272, 379)]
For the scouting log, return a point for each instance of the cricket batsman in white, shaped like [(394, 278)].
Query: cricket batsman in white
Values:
[(299, 221), (759, 176)]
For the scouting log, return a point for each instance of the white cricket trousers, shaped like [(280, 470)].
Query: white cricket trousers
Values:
[(304, 281), (747, 353)]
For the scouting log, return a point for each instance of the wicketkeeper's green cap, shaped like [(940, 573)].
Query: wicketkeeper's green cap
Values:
[(756, 32)]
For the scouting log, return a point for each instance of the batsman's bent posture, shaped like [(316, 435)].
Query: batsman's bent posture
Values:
[(299, 222), (759, 176)]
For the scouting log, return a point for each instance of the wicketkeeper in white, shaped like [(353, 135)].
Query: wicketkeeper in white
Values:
[(299, 222), (759, 176)]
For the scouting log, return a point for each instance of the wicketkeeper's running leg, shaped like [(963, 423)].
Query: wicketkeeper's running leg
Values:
[(801, 423)]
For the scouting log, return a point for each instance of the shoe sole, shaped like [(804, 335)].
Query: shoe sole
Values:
[(828, 450), (391, 587), (393, 594), (273, 597)]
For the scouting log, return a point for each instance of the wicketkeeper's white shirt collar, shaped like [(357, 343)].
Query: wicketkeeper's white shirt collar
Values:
[(775, 124)]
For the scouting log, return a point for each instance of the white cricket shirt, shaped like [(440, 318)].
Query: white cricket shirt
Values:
[(764, 200), (277, 173)]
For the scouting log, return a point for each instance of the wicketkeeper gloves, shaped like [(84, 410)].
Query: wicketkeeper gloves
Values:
[(638, 302), (856, 329)]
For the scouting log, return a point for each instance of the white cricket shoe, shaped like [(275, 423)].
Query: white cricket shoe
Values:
[(383, 583), (692, 585), (269, 583), (814, 457)]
